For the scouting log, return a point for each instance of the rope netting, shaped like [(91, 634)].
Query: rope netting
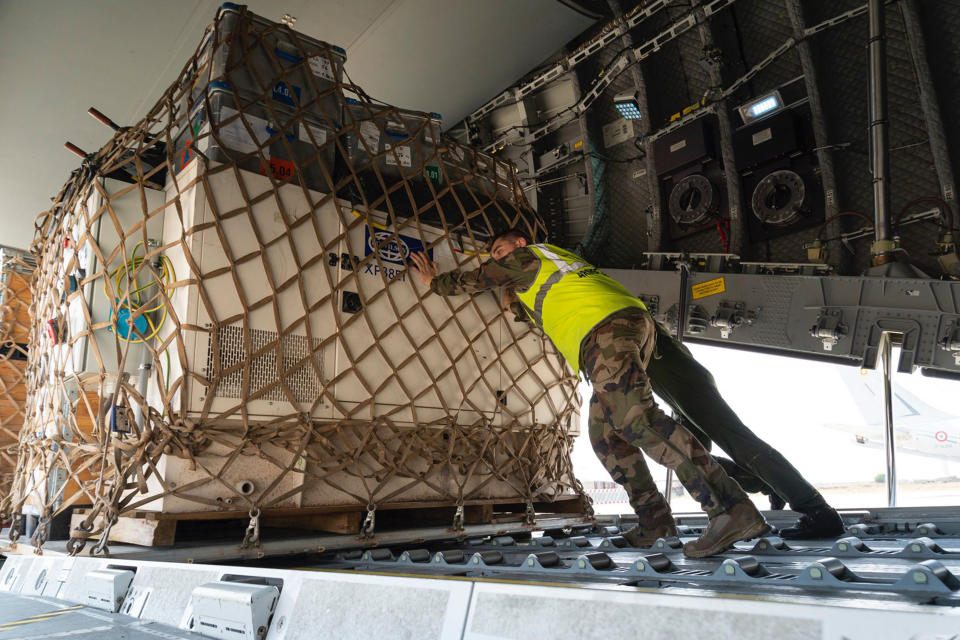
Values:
[(231, 326), (15, 271)]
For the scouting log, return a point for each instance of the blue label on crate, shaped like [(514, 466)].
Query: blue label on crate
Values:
[(386, 244), (282, 93)]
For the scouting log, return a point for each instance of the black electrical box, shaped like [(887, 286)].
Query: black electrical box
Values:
[(690, 143), (692, 183), (767, 140), (780, 175)]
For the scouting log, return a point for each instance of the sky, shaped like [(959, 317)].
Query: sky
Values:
[(789, 403)]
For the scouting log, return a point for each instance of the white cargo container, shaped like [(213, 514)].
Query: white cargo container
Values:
[(305, 269)]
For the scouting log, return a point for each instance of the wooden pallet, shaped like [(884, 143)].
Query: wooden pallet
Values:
[(154, 529)]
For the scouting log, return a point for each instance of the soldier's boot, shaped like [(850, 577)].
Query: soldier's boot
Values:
[(741, 522), (646, 535), (821, 521)]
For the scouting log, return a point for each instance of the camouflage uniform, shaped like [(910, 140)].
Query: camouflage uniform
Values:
[(624, 419), (516, 270), (689, 388), (623, 415)]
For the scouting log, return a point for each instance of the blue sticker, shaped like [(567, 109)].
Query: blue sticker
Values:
[(385, 243), (281, 93)]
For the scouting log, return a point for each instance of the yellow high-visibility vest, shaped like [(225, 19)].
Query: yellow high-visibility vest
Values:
[(570, 297)]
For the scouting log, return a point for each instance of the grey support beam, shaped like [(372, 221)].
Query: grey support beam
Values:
[(587, 164), (889, 437), (682, 307), (737, 227), (820, 133), (928, 101), (879, 132), (824, 317)]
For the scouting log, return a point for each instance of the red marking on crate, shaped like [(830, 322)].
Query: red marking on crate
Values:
[(186, 156), (281, 169)]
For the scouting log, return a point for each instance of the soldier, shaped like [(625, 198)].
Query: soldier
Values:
[(687, 386), (605, 332)]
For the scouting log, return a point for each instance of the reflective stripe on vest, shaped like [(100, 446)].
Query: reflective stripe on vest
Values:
[(569, 297)]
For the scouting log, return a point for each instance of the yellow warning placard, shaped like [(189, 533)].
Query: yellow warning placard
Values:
[(708, 288)]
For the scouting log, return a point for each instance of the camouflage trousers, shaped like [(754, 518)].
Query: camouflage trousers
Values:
[(625, 420)]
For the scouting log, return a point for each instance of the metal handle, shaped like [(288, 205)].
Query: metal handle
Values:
[(75, 149), (397, 136), (99, 115), (286, 56)]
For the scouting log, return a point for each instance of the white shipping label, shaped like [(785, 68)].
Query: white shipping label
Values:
[(370, 133), (676, 146), (319, 134), (235, 135), (762, 136), (321, 67), (403, 152)]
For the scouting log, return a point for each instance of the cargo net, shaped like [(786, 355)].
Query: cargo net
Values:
[(226, 321), (15, 271)]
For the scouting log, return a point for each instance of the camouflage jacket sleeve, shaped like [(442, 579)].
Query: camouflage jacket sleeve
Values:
[(517, 270), (520, 314)]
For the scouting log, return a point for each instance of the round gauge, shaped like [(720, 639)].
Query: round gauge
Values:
[(692, 199), (778, 198)]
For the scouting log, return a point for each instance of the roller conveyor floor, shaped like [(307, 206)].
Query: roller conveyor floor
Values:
[(896, 574), (880, 563)]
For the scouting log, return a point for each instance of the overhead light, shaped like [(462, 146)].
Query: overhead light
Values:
[(761, 107), (628, 104)]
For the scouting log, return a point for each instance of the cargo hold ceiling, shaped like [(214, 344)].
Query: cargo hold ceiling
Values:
[(59, 57)]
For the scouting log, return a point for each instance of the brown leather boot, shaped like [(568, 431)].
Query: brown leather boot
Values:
[(641, 536), (741, 522)]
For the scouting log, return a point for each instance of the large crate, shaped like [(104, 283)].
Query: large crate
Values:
[(393, 153), (340, 362), (263, 138), (245, 339), (474, 181), (268, 62)]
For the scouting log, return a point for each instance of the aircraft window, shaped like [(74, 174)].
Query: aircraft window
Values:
[(827, 420)]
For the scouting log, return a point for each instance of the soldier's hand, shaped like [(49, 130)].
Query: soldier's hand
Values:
[(423, 267), (507, 297)]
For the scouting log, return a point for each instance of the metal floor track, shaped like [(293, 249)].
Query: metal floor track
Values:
[(895, 575), (917, 570)]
